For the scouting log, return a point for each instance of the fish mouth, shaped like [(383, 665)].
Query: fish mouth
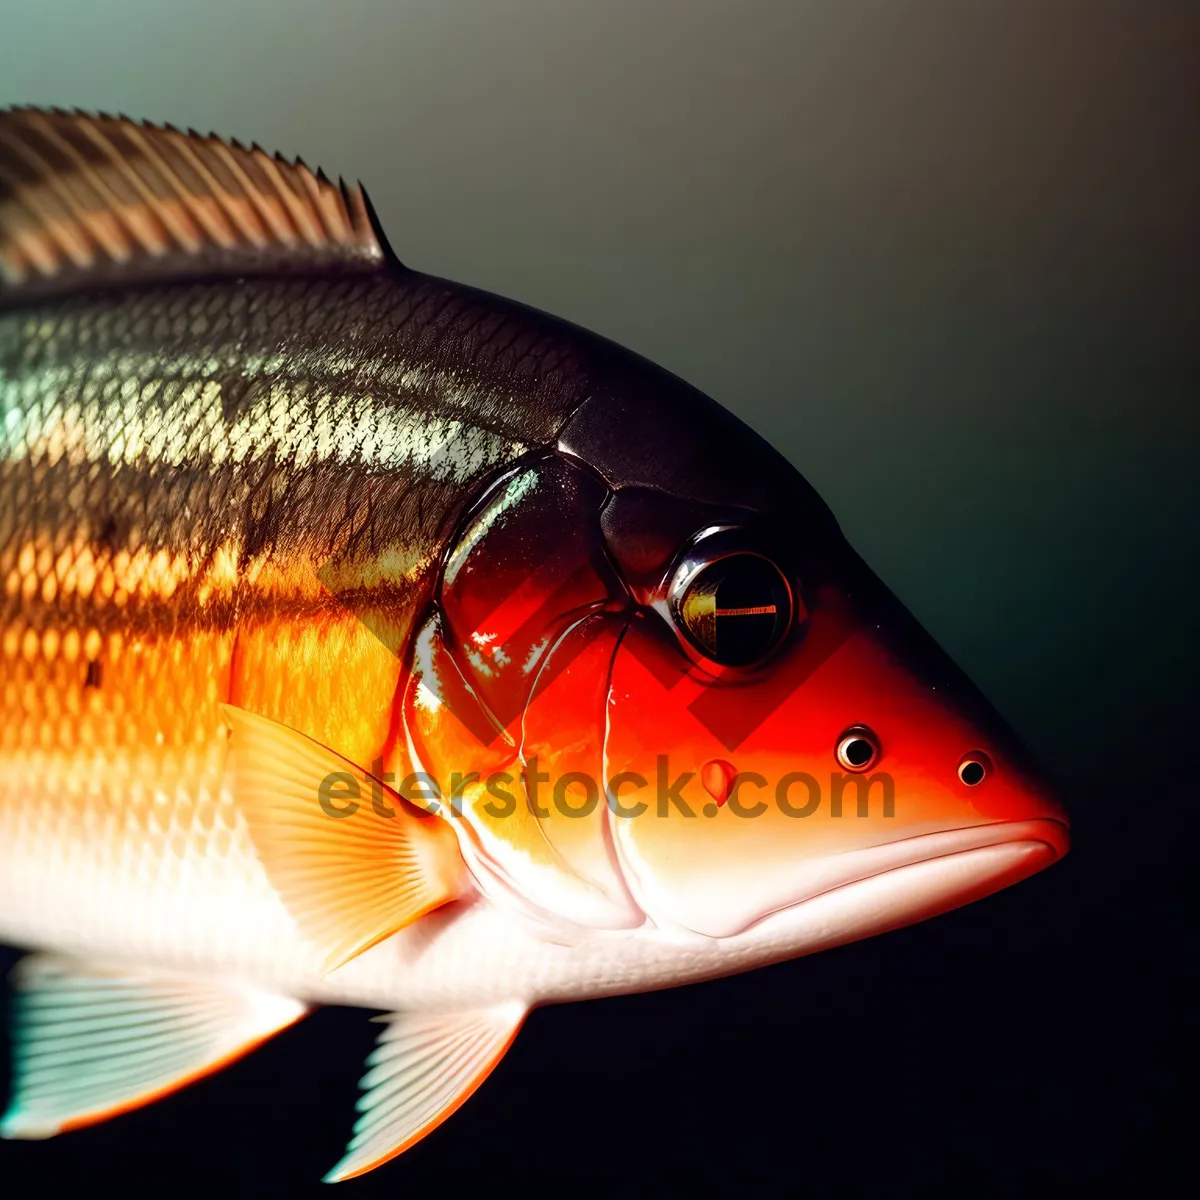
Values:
[(866, 892), (863, 864)]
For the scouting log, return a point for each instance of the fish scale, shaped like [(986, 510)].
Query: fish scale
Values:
[(146, 534)]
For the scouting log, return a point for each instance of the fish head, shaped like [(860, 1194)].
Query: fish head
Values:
[(849, 746), (765, 722)]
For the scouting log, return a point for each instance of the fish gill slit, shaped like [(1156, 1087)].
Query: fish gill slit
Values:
[(610, 836)]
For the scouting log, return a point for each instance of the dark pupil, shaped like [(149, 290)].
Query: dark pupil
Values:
[(737, 609), (859, 752), (971, 773)]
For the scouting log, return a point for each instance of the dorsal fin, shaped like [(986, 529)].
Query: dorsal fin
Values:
[(91, 200)]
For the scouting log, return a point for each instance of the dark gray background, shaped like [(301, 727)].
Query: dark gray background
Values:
[(942, 254)]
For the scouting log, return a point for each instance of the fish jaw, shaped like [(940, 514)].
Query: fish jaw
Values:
[(1021, 849), (895, 897)]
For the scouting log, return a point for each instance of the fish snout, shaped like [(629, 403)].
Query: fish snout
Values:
[(945, 731)]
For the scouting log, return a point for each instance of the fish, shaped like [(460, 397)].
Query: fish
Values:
[(371, 640)]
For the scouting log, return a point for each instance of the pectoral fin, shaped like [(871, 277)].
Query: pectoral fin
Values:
[(90, 1043), (422, 1070), (349, 874)]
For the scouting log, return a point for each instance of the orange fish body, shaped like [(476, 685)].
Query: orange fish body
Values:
[(370, 640)]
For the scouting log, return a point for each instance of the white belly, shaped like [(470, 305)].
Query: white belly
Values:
[(101, 866)]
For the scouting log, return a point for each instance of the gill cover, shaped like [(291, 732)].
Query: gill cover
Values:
[(506, 705)]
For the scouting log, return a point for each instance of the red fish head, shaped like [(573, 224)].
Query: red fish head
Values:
[(661, 607), (778, 727), (852, 748)]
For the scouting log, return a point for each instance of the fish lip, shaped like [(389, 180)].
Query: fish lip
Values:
[(926, 847), (1052, 831), (858, 866)]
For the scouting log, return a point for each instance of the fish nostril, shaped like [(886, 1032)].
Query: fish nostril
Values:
[(857, 748), (974, 767)]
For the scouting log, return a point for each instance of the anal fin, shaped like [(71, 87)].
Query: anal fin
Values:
[(423, 1069), (90, 1042)]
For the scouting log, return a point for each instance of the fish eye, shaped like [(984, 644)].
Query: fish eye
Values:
[(735, 609), (974, 767), (857, 748)]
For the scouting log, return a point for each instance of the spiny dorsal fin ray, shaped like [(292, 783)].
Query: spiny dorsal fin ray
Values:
[(98, 199)]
